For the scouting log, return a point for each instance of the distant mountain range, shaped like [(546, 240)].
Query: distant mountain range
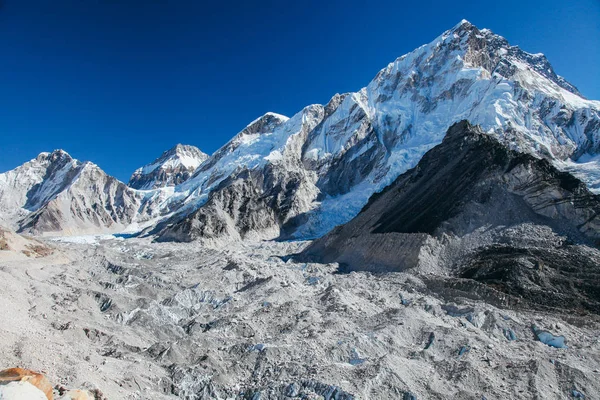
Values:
[(299, 177)]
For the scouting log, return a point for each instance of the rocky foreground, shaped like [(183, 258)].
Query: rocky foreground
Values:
[(138, 320)]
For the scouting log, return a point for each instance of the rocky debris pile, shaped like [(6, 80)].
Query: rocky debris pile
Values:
[(13, 245), (473, 211), (242, 323), (22, 384)]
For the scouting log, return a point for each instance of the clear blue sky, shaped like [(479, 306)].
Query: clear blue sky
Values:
[(117, 82)]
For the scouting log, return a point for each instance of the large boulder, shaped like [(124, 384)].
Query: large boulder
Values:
[(24, 384)]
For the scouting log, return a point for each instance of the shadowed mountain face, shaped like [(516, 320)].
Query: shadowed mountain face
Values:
[(476, 210)]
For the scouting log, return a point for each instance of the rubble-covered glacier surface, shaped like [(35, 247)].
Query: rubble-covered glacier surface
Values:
[(243, 323)]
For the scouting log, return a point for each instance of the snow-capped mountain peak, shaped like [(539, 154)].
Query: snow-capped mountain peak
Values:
[(173, 167), (267, 118), (57, 193), (54, 156), (29, 186), (488, 50), (320, 167)]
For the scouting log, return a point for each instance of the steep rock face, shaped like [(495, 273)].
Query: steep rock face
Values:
[(29, 186), (241, 193), (233, 210), (93, 202), (474, 209), (330, 159), (55, 193), (173, 167)]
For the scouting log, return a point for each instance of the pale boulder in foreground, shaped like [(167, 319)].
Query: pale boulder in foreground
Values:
[(23, 384), (21, 391)]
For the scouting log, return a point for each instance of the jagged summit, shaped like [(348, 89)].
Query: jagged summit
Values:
[(462, 25), (268, 116), (173, 167), (263, 124), (54, 155), (179, 148), (493, 52)]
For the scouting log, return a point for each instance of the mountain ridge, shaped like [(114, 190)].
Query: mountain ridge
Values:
[(357, 143), (317, 169)]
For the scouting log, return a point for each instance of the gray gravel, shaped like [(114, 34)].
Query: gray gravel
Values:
[(140, 320)]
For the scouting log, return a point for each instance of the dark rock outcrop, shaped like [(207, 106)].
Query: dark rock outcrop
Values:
[(473, 209)]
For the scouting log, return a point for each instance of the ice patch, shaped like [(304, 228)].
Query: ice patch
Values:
[(549, 339)]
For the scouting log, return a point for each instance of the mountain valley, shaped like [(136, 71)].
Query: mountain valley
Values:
[(434, 235)]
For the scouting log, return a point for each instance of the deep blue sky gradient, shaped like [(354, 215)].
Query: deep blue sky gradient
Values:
[(117, 82)]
